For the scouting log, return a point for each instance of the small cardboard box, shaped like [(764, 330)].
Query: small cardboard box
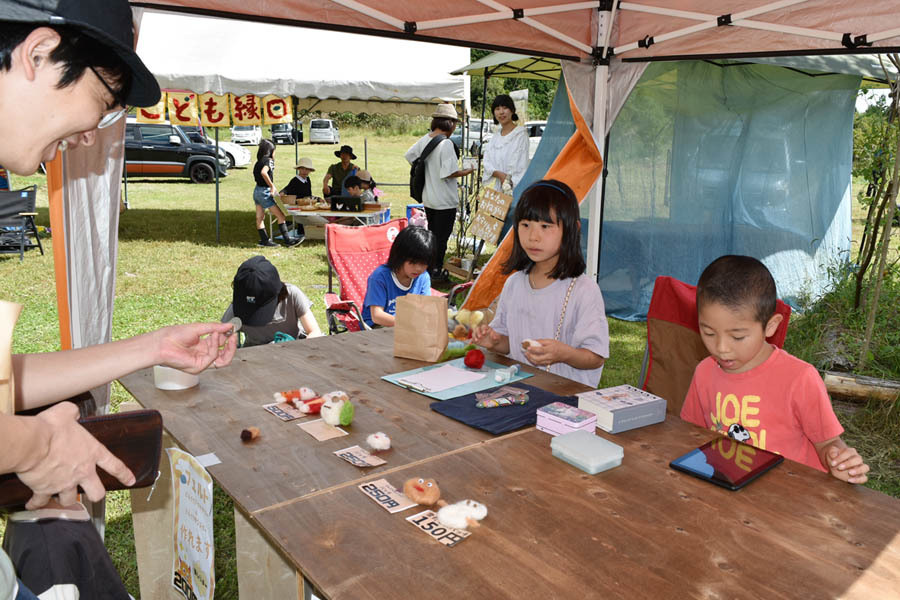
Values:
[(558, 418)]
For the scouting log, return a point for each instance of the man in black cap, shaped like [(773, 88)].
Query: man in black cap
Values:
[(338, 172), (67, 68)]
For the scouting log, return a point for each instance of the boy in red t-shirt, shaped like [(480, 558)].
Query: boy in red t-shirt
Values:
[(752, 391)]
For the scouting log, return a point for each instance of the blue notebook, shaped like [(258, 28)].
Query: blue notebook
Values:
[(480, 385)]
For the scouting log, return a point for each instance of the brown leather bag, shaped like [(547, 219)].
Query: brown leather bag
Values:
[(135, 437)]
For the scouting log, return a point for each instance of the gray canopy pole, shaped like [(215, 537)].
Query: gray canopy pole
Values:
[(217, 184)]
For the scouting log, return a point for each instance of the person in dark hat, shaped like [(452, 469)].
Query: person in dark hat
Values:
[(267, 306), (338, 172), (67, 68)]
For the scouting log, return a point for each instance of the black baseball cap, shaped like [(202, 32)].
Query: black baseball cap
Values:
[(256, 288), (107, 21)]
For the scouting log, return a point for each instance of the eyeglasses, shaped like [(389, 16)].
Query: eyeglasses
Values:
[(112, 116)]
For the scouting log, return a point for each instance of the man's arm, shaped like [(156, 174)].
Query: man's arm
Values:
[(53, 376)]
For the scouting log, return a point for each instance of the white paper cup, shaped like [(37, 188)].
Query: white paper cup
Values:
[(167, 378)]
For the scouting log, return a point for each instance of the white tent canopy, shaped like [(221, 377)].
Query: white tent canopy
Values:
[(354, 72)]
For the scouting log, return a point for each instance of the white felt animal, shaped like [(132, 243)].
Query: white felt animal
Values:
[(379, 441), (337, 409), (462, 514)]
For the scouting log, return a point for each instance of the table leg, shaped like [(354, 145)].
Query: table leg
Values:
[(262, 571), (152, 516)]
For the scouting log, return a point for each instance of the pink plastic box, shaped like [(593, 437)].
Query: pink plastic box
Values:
[(559, 418)]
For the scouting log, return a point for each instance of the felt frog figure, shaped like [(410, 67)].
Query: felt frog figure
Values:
[(337, 409)]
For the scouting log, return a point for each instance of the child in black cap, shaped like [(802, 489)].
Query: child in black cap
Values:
[(267, 306)]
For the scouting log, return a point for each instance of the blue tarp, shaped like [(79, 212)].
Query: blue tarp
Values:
[(706, 160)]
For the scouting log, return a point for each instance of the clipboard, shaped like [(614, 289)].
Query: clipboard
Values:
[(485, 383)]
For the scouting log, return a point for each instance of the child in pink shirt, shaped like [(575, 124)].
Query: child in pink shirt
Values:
[(752, 391)]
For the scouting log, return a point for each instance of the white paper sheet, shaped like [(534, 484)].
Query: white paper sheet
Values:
[(440, 379)]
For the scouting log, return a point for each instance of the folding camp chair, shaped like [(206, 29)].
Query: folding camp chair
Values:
[(353, 253), (674, 346), (18, 232)]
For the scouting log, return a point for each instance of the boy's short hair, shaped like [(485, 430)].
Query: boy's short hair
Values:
[(352, 181), (737, 282), (414, 244)]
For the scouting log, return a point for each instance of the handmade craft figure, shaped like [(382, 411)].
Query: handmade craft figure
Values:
[(474, 359), (291, 396), (337, 409), (251, 433), (462, 514), (422, 491), (379, 441), (460, 323)]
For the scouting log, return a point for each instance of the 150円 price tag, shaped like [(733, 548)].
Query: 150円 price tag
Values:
[(427, 522)]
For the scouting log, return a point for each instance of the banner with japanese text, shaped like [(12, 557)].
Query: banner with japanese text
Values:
[(192, 566), (183, 108), (214, 110), (276, 110), (153, 114), (245, 110)]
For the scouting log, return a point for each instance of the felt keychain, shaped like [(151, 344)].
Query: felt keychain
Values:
[(337, 409), (462, 514)]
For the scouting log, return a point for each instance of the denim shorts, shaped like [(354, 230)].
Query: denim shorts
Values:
[(262, 196)]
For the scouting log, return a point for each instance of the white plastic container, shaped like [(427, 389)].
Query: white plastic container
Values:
[(587, 451), (167, 378)]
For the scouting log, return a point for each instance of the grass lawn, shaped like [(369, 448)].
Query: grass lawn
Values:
[(171, 270)]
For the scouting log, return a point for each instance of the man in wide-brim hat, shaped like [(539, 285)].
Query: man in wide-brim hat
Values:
[(334, 178)]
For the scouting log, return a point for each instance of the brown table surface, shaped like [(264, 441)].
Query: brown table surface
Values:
[(286, 463), (641, 530)]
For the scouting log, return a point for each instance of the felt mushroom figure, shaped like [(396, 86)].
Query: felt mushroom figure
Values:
[(337, 409)]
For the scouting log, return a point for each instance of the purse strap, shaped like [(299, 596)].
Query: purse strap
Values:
[(562, 316)]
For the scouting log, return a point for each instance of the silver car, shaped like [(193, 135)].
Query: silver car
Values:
[(323, 131)]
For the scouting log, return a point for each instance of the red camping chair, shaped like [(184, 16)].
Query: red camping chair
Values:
[(353, 253), (674, 346)]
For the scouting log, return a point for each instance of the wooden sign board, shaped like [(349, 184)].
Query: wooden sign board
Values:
[(494, 203), (485, 227), (487, 222)]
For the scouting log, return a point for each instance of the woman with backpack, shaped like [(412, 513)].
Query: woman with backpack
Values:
[(439, 195)]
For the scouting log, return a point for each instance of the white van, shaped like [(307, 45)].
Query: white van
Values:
[(323, 131), (246, 134)]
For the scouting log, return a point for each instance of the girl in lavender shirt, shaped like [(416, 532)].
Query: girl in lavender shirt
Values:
[(547, 268)]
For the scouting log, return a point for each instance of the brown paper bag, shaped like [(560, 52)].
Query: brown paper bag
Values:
[(420, 327)]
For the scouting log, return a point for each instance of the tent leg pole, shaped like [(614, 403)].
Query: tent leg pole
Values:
[(601, 95), (296, 134), (366, 153), (217, 185), (487, 75)]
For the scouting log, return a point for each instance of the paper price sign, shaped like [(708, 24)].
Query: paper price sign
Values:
[(386, 496), (427, 522), (359, 457), (485, 227)]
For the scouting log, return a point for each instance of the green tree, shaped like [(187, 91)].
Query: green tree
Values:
[(540, 92)]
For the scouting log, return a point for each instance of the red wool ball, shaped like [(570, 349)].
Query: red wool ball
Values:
[(474, 359)]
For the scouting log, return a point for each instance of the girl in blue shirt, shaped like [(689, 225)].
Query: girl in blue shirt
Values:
[(406, 272)]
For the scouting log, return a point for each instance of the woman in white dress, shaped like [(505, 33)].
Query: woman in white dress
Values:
[(506, 154)]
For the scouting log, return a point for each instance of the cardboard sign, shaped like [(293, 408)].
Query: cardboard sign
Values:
[(276, 110), (183, 108), (284, 411), (321, 430), (494, 203), (427, 522), (487, 222), (153, 114), (386, 496), (359, 457), (245, 110), (485, 227), (214, 110), (193, 559)]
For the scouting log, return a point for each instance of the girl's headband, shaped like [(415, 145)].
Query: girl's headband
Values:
[(543, 183)]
